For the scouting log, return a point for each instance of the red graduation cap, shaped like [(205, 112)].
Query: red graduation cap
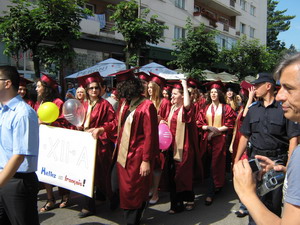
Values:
[(124, 75), (214, 84), (157, 79), (143, 76), (49, 81), (168, 88), (24, 82), (244, 87), (192, 83), (177, 84), (89, 78)]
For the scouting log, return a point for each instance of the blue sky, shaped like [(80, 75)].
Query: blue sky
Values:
[(292, 36)]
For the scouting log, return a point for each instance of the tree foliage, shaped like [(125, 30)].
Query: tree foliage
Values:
[(277, 22), (46, 27), (248, 57), (136, 29), (196, 52)]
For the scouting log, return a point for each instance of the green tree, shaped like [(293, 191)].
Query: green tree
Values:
[(277, 22), (136, 29), (247, 57), (45, 27), (196, 52)]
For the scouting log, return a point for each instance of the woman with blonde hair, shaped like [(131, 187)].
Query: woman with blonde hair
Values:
[(163, 107), (80, 94)]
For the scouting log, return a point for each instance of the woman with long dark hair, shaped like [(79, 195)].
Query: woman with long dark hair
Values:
[(247, 96), (215, 119), (137, 145), (23, 91), (47, 91)]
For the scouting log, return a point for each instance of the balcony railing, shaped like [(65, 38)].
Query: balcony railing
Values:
[(104, 25), (226, 27)]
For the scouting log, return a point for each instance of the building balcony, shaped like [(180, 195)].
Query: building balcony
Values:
[(219, 6), (93, 26), (226, 29), (215, 20)]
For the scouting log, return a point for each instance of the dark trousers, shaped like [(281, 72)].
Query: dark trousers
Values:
[(273, 201), (177, 198), (133, 216), (18, 200), (88, 204)]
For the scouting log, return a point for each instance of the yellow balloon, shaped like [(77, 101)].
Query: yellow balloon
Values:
[(48, 112)]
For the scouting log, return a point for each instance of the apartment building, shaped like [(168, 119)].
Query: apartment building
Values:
[(232, 18)]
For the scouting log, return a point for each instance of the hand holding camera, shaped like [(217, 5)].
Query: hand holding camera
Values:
[(272, 179)]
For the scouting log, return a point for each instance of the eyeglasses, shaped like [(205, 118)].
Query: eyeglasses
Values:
[(91, 88), (3, 79)]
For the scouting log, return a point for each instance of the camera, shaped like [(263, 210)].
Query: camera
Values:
[(270, 181), (254, 164)]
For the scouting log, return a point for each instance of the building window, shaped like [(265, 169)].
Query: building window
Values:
[(179, 32), (252, 10), (197, 8), (242, 28), (180, 3), (161, 23), (243, 5), (224, 42), (252, 31), (89, 6)]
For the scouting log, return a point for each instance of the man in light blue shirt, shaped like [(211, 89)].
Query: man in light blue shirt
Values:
[(19, 144)]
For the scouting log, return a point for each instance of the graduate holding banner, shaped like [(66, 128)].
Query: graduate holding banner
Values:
[(98, 112), (47, 92)]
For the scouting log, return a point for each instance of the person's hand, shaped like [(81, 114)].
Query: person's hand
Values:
[(230, 149), (268, 164), (163, 121), (90, 130), (69, 95), (145, 169), (244, 180), (212, 129), (251, 93), (97, 132), (184, 83)]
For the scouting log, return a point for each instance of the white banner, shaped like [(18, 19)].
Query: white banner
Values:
[(67, 159)]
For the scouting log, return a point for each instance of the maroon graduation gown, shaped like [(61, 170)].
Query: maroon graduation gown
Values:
[(216, 147), (143, 146), (185, 169), (101, 114)]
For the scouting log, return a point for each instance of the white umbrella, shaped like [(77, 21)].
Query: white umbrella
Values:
[(227, 77), (105, 68), (249, 78), (209, 75), (156, 68), (169, 76)]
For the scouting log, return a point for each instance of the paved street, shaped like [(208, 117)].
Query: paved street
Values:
[(220, 212)]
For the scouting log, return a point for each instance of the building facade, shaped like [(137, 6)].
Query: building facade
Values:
[(232, 18)]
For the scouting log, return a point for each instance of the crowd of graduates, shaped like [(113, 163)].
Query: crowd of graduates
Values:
[(203, 117)]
